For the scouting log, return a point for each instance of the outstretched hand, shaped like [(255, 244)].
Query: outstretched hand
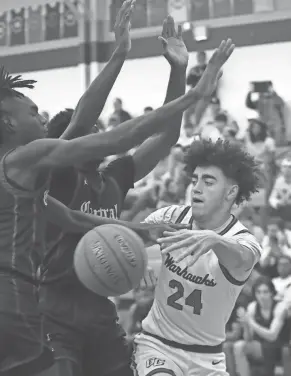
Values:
[(175, 50), (123, 25), (208, 82), (151, 232), (194, 243)]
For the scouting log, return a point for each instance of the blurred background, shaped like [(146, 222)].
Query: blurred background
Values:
[(65, 44)]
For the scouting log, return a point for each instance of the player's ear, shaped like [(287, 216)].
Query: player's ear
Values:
[(9, 123), (232, 192)]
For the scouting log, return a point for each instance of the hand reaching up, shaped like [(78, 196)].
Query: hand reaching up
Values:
[(208, 82), (122, 26), (175, 50)]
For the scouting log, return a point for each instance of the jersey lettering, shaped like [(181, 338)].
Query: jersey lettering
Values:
[(170, 264), (193, 300)]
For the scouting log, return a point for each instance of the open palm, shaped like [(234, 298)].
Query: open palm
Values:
[(175, 50)]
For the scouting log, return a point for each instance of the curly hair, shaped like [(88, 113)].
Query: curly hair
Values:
[(235, 163), (59, 123), (8, 86)]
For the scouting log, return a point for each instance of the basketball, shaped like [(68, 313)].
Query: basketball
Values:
[(110, 260)]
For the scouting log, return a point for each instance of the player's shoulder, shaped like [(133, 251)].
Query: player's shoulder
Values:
[(252, 307), (167, 214)]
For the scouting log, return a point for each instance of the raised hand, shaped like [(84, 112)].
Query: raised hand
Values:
[(208, 82), (122, 26), (175, 50), (194, 243)]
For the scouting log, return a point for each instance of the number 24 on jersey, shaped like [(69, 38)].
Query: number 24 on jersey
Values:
[(193, 300)]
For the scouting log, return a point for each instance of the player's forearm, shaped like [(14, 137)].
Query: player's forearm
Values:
[(233, 255), (121, 139), (176, 88), (265, 333), (92, 102), (158, 147)]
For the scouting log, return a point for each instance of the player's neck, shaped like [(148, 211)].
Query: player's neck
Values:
[(215, 223)]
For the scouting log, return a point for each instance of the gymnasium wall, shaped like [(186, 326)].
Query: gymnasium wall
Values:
[(143, 82)]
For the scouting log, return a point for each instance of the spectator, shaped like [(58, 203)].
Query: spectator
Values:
[(210, 131), (265, 332), (221, 121), (113, 121), (270, 107), (280, 198), (257, 231), (196, 72), (118, 109), (275, 244), (283, 282), (262, 147), (187, 135), (147, 110)]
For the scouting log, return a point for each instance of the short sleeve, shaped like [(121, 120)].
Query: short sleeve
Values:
[(167, 214), (122, 171), (249, 241)]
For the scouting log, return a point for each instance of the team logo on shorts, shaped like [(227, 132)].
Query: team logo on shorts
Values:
[(154, 362)]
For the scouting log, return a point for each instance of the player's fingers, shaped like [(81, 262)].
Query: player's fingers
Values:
[(164, 29), (180, 32), (177, 245), (170, 237), (152, 277), (163, 40), (171, 27)]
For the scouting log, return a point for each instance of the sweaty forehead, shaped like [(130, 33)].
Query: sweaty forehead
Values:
[(17, 103)]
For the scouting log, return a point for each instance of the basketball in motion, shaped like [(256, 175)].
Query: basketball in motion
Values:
[(110, 260)]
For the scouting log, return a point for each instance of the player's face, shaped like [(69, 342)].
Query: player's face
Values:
[(211, 193), (26, 122), (263, 294)]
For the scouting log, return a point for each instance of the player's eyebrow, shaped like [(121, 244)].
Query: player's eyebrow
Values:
[(204, 176)]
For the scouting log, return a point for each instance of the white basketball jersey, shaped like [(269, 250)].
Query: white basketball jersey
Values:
[(193, 304)]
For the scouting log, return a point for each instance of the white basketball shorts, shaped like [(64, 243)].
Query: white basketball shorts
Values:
[(152, 357)]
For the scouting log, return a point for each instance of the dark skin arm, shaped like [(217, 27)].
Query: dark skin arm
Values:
[(26, 163), (75, 221), (158, 147), (92, 102)]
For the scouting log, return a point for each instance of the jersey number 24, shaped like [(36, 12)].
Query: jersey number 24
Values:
[(193, 300)]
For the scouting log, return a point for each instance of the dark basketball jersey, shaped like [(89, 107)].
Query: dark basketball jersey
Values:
[(60, 286), (284, 334), (22, 227)]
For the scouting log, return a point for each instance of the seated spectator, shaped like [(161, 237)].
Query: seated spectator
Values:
[(275, 244), (265, 332), (283, 282), (118, 110), (280, 197)]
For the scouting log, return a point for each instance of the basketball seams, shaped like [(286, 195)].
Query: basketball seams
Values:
[(129, 240), (95, 275), (127, 277)]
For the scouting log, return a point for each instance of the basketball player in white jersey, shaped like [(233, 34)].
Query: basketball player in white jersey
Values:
[(203, 269)]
